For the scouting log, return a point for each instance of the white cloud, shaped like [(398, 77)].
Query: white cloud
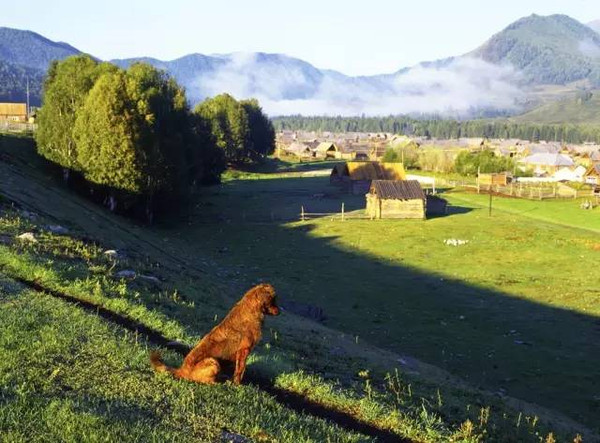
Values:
[(456, 88), (589, 48)]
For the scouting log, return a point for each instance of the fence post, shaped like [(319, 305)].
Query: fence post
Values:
[(342, 211), (302, 213)]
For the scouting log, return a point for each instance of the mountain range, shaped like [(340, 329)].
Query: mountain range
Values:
[(532, 60)]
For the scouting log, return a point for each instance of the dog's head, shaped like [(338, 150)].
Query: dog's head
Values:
[(263, 296)]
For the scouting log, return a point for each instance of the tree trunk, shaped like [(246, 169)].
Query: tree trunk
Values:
[(149, 213), (112, 203)]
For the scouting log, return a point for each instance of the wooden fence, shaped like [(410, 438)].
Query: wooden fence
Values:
[(342, 215), (537, 192), (8, 126)]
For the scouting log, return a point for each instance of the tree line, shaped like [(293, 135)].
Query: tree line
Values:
[(129, 136), (443, 128)]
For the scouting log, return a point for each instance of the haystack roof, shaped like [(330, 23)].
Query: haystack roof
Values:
[(397, 189), (375, 171)]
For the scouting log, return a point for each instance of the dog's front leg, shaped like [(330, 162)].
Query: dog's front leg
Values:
[(240, 365)]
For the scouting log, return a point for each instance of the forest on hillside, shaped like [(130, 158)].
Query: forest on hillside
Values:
[(443, 129)]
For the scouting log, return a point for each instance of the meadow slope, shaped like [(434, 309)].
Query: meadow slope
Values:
[(512, 357)]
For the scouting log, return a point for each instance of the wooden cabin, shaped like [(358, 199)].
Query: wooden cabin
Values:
[(356, 177), (327, 150), (300, 150), (15, 112), (592, 175), (396, 199)]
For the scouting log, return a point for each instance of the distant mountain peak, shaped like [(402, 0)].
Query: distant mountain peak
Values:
[(554, 49), (31, 50), (494, 78)]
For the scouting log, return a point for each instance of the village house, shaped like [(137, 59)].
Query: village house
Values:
[(327, 150), (300, 150), (592, 175), (539, 148), (546, 164), (15, 112), (573, 174), (396, 199)]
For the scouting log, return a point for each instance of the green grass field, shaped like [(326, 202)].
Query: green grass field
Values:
[(514, 310), (566, 212), (507, 324)]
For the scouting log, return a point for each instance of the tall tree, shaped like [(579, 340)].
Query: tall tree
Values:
[(261, 131), (132, 134), (65, 90), (229, 125)]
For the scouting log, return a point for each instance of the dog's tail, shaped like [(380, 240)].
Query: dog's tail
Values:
[(158, 365)]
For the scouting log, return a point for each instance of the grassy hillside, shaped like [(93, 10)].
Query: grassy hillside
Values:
[(356, 371), (584, 108)]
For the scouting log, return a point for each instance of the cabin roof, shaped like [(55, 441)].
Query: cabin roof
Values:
[(323, 147), (298, 147), (548, 159), (397, 189), (594, 170)]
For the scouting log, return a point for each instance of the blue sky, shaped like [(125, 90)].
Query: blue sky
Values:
[(354, 37)]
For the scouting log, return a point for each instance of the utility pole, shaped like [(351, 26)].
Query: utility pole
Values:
[(27, 109)]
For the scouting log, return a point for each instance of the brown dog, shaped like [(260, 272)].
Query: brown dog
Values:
[(229, 342)]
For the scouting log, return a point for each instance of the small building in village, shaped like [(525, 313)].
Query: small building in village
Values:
[(396, 199), (15, 112), (592, 175), (356, 177), (327, 150), (573, 174), (544, 164), (299, 150)]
